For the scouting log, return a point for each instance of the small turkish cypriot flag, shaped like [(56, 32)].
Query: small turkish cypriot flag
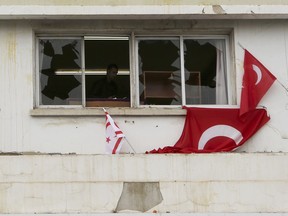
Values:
[(114, 136)]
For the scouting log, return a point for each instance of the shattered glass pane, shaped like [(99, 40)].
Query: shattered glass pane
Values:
[(60, 75)]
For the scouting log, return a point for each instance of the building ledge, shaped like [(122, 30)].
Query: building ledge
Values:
[(37, 167), (180, 11)]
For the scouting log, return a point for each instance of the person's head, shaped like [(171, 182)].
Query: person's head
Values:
[(112, 71)]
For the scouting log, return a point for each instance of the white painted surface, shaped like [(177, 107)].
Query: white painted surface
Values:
[(159, 11), (89, 182), (236, 183), (156, 214), (81, 134)]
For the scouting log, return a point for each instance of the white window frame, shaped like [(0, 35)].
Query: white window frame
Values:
[(134, 71), (82, 69), (182, 68), (37, 76)]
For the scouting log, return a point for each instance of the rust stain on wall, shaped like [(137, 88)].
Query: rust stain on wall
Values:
[(11, 46)]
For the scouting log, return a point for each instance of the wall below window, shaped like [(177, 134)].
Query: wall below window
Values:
[(226, 183)]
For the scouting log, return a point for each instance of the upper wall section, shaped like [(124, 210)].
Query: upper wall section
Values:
[(143, 2), (148, 9)]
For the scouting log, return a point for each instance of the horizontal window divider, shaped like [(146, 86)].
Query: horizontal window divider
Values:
[(106, 38), (89, 72)]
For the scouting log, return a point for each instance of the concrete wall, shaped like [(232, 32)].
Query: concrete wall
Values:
[(161, 9), (143, 2), (84, 133), (209, 183), (42, 177)]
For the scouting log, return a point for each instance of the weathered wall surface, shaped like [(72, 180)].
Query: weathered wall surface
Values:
[(227, 183), (159, 9), (21, 132), (143, 2), (36, 182)]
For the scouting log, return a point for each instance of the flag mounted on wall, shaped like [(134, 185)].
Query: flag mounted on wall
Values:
[(114, 136), (257, 80), (208, 130)]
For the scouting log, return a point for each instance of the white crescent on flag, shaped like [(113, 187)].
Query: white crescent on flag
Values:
[(219, 130), (258, 73)]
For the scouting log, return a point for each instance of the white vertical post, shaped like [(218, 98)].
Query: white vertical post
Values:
[(182, 66)]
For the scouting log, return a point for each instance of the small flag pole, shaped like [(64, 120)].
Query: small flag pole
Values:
[(282, 85), (130, 145), (241, 46), (276, 79)]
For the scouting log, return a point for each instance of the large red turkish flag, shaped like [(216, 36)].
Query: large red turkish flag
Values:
[(216, 130), (257, 80)]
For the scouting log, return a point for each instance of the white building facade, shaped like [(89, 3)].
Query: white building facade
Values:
[(53, 146)]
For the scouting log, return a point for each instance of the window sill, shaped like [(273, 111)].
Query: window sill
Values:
[(127, 111)]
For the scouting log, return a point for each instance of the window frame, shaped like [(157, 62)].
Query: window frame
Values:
[(82, 69), (37, 75), (181, 38), (134, 70)]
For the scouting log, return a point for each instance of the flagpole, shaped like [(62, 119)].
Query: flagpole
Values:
[(241, 46), (130, 145), (282, 85), (276, 79)]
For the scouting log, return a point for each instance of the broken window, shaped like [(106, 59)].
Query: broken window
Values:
[(181, 71), (178, 70), (71, 69), (59, 71)]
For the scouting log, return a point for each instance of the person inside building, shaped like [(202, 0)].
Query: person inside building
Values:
[(106, 87)]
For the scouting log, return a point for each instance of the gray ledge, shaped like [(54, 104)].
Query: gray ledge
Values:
[(127, 111)]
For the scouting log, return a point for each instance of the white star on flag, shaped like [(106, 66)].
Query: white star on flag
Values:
[(114, 136)]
